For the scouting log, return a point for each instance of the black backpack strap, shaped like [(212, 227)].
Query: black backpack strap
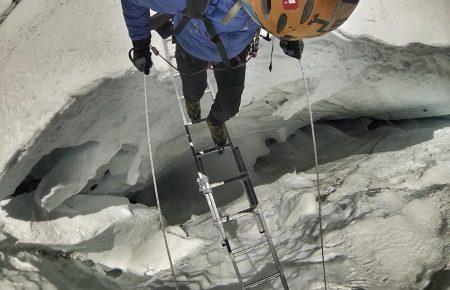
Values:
[(162, 23), (196, 9), (181, 25), (217, 41)]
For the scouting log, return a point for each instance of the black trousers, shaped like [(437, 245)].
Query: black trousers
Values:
[(230, 83)]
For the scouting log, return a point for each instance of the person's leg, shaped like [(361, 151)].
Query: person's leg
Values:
[(193, 78), (230, 85)]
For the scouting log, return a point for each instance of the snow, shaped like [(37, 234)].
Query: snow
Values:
[(382, 229), (81, 90), (104, 229), (402, 22), (404, 225), (4, 5), (73, 145)]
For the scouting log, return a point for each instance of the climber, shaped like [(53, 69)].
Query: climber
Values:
[(220, 33)]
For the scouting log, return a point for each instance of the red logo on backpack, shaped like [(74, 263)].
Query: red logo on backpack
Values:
[(290, 4)]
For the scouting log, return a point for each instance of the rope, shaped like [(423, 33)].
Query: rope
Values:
[(161, 219), (316, 160), (9, 10), (156, 52)]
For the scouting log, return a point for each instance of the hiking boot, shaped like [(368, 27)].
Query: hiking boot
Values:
[(217, 133), (194, 111)]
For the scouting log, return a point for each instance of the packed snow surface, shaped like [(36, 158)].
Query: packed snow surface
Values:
[(76, 93), (73, 147), (402, 22), (4, 5), (385, 222)]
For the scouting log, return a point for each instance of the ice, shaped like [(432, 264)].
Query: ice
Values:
[(422, 22), (82, 89), (4, 5), (390, 236), (73, 145), (104, 229)]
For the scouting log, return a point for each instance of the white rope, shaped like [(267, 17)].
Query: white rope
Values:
[(316, 160), (161, 218)]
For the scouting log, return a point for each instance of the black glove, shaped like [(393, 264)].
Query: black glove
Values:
[(292, 48), (141, 56)]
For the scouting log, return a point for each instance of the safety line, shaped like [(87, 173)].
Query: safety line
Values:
[(161, 218), (316, 160), (156, 52), (8, 10)]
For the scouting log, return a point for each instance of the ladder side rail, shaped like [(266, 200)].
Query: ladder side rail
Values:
[(211, 201), (199, 164), (219, 225), (275, 257), (191, 146), (207, 190), (200, 168), (250, 190), (251, 196)]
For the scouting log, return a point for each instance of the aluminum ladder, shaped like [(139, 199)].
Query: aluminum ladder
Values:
[(206, 187)]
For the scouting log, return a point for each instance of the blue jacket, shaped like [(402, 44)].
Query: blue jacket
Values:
[(194, 38)]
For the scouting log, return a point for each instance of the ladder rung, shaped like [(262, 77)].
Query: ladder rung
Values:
[(206, 187), (251, 249), (198, 122), (220, 183), (262, 281), (202, 153), (237, 215)]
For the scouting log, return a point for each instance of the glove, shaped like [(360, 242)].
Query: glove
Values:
[(142, 57), (292, 48)]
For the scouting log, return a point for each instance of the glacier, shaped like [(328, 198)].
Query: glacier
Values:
[(74, 172)]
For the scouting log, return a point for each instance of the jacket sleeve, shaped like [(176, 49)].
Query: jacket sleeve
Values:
[(137, 18)]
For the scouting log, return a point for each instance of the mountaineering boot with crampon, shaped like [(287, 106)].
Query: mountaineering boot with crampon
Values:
[(217, 132), (194, 111)]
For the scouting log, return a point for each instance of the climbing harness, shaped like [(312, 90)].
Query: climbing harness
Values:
[(316, 162), (207, 187), (254, 45), (253, 51), (157, 53), (155, 186)]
